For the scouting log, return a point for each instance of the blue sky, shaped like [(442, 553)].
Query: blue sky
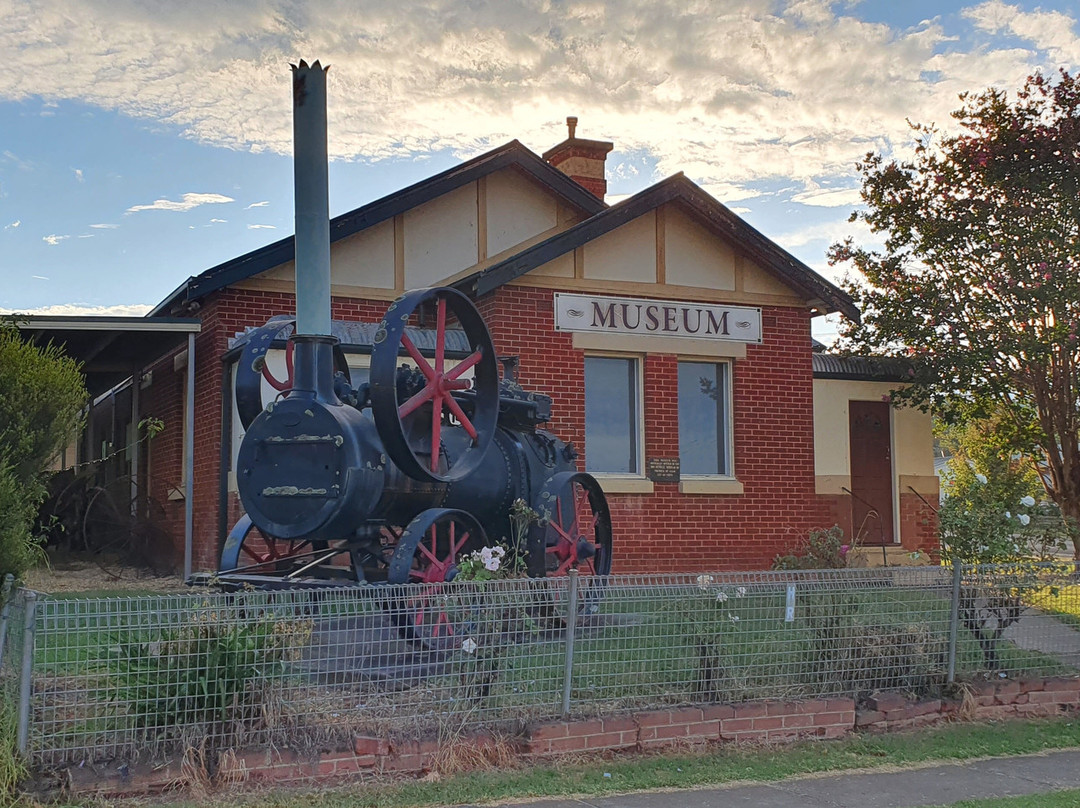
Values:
[(143, 142)]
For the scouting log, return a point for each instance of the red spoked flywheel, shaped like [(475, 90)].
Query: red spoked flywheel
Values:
[(440, 432)]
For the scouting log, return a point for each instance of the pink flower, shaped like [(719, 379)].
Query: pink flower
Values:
[(844, 549)]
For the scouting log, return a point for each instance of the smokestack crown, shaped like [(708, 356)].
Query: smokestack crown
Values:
[(582, 160)]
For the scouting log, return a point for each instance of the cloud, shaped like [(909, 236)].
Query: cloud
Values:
[(1051, 31), (14, 159), (219, 221), (261, 227), (78, 174), (39, 277), (829, 197), (13, 225), (82, 309), (187, 202), (730, 93), (262, 204), (54, 239), (104, 226)]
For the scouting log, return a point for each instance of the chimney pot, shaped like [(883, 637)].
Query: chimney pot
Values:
[(581, 159)]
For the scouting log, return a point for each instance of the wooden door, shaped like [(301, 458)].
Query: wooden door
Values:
[(871, 472)]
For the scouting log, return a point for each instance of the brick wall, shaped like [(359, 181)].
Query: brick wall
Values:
[(773, 443), (755, 722), (664, 531)]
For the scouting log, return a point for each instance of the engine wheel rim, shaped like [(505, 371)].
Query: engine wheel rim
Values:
[(246, 553), (405, 426), (426, 557), (573, 509)]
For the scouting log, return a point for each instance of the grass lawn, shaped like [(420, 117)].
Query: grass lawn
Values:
[(587, 778), (1057, 799)]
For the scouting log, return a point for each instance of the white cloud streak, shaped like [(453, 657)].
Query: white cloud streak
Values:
[(731, 92), (13, 225), (261, 227), (80, 310), (104, 226), (53, 240), (187, 202), (262, 204)]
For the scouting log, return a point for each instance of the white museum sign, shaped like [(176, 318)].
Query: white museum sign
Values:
[(666, 318)]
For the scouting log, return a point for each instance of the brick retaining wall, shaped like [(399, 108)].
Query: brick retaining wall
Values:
[(754, 722)]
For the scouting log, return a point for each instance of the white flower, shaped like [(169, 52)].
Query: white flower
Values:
[(703, 581), (734, 618), (498, 552), (740, 592), (485, 555), (1024, 519), (469, 646), (721, 597), (1027, 501), (1008, 515), (981, 478), (492, 564)]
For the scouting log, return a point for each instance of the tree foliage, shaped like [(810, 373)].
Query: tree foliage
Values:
[(979, 277), (41, 397)]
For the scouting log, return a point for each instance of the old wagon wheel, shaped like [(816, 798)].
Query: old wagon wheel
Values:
[(251, 552), (251, 368), (413, 419), (573, 532), (428, 554)]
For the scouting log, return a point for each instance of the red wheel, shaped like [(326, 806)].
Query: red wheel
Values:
[(428, 554), (434, 424), (285, 385), (251, 368), (573, 532), (250, 552)]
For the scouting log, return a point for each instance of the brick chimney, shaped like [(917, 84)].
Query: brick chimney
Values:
[(582, 160)]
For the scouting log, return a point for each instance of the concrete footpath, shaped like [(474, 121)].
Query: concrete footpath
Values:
[(931, 785)]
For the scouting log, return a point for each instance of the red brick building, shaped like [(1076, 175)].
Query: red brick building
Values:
[(690, 392)]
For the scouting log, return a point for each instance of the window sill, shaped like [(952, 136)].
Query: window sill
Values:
[(703, 486), (624, 485), (176, 494)]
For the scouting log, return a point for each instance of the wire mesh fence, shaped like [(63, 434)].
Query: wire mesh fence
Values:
[(142, 677)]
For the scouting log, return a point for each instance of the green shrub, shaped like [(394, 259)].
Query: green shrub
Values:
[(823, 549), (209, 678), (41, 398)]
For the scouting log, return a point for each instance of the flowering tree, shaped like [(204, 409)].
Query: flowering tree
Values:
[(979, 277)]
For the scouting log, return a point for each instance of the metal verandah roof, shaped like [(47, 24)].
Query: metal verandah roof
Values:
[(110, 348)]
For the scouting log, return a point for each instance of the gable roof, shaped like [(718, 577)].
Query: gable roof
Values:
[(705, 209), (280, 252)]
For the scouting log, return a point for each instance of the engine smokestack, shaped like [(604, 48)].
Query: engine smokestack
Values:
[(312, 199)]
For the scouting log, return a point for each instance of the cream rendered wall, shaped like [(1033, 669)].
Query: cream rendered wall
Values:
[(517, 209), (561, 267), (362, 259), (441, 237), (757, 281), (627, 253), (365, 258), (913, 440), (694, 256)]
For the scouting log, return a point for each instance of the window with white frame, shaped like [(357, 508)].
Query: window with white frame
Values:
[(705, 419), (612, 415)]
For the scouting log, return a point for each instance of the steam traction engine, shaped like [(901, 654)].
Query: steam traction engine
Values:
[(396, 479)]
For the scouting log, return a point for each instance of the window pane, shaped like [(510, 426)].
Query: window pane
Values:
[(703, 439), (611, 422)]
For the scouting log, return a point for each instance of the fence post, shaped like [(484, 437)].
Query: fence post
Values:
[(26, 686), (571, 626), (954, 617), (5, 613)]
